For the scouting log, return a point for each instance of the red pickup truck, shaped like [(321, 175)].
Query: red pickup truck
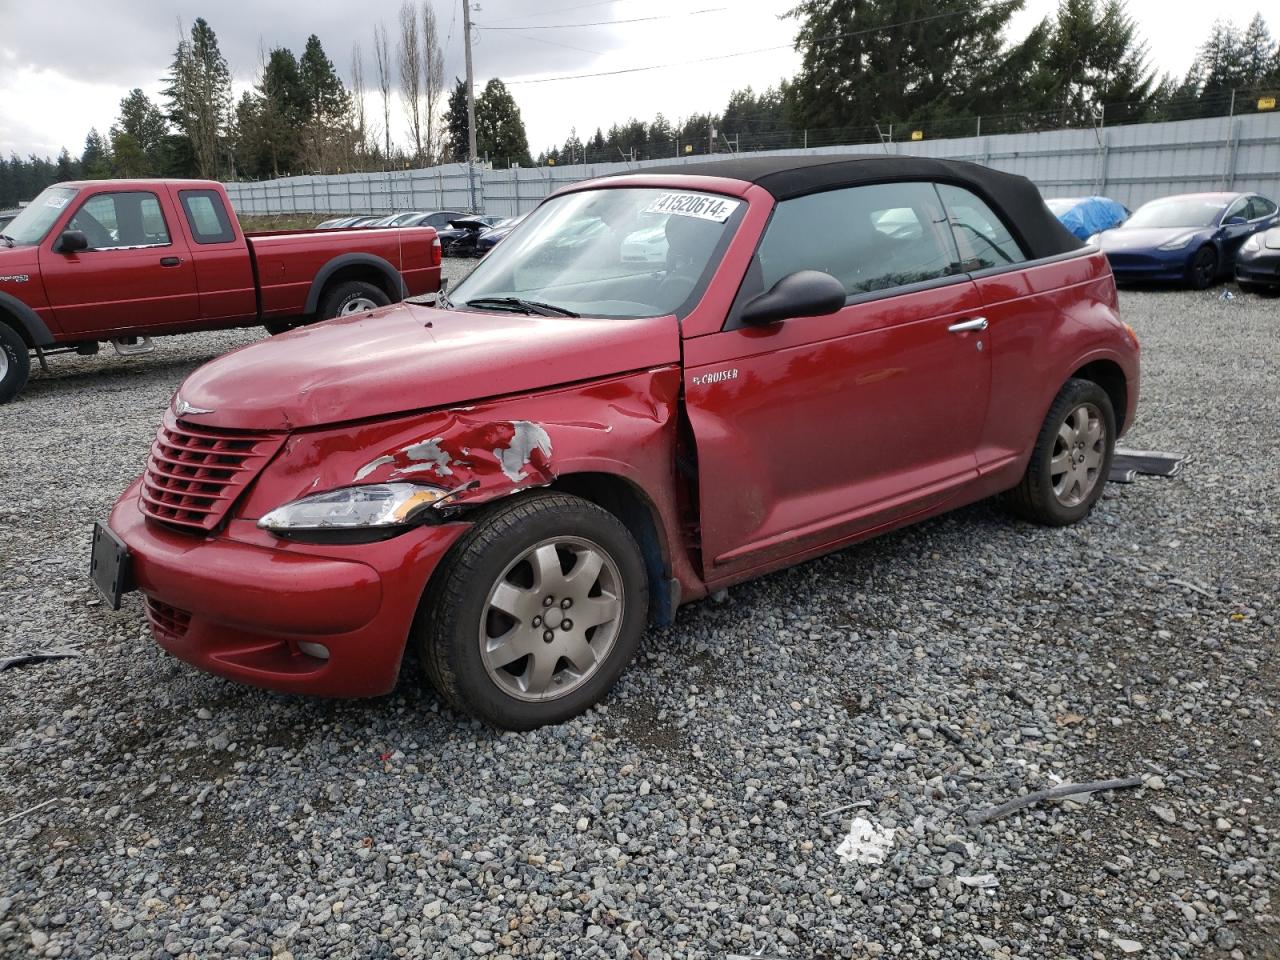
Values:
[(120, 260)]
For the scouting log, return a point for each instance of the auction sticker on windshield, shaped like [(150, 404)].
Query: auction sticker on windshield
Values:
[(704, 206)]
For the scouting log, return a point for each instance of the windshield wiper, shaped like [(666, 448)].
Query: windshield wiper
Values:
[(519, 305), (9, 241)]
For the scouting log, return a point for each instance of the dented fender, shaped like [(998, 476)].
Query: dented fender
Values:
[(624, 426)]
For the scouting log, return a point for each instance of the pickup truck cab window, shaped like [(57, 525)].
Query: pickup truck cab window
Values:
[(206, 216), (569, 254), (981, 235), (869, 238), (116, 221)]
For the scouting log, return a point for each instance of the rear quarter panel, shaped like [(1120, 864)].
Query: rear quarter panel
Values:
[(1046, 322), (289, 261)]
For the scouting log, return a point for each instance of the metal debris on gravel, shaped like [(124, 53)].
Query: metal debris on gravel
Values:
[(916, 678)]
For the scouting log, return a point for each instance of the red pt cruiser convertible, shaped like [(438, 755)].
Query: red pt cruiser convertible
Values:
[(806, 352)]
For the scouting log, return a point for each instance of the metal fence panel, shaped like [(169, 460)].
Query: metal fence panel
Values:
[(1132, 164)]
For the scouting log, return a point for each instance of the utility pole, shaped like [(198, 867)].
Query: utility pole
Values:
[(471, 102)]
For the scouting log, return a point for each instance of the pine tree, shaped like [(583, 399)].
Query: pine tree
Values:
[(500, 133), (95, 162), (141, 126), (328, 108), (455, 124), (199, 95), (1260, 52)]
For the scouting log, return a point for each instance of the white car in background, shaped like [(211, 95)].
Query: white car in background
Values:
[(645, 246)]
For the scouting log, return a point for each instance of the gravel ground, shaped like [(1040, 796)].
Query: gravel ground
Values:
[(925, 675)]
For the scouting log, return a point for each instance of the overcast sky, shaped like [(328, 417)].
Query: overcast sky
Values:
[(65, 66)]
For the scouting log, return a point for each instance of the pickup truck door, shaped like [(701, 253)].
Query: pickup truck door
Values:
[(135, 278), (814, 430), (224, 268)]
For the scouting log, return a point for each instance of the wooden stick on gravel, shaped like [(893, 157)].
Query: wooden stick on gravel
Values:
[(1053, 793)]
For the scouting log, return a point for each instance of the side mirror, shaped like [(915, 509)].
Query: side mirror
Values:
[(1234, 221), (805, 293), (71, 241)]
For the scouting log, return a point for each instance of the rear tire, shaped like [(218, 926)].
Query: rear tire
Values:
[(15, 363), (483, 625), (344, 299), (1203, 271), (1071, 458)]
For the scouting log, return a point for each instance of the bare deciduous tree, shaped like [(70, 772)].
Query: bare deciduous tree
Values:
[(382, 55), (411, 73), (358, 119), (434, 82)]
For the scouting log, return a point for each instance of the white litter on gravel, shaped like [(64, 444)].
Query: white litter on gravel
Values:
[(865, 843)]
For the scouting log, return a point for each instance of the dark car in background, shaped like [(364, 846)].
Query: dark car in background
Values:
[(1258, 262), (1191, 238), (1085, 216), (458, 239), (494, 236)]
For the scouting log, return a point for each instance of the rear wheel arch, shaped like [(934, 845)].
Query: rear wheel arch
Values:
[(1110, 377), (364, 267)]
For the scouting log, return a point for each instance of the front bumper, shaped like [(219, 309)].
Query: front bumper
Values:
[(245, 605), (1260, 268), (1157, 265)]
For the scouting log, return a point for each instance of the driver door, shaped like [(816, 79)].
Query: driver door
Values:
[(816, 430), (136, 276)]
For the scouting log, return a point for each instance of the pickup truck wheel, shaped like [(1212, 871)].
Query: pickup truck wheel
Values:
[(353, 296), (535, 614), (15, 363), (1071, 459)]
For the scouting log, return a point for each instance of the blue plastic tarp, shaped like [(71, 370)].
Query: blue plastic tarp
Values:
[(1093, 215)]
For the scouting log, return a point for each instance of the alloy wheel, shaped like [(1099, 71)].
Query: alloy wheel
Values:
[(358, 305), (551, 618), (1078, 453)]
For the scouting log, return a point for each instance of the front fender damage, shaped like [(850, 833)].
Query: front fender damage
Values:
[(480, 458)]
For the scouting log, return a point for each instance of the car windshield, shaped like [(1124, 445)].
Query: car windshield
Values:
[(1178, 212), (569, 254), (31, 225)]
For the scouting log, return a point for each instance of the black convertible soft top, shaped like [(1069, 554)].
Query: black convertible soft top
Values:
[(1014, 197)]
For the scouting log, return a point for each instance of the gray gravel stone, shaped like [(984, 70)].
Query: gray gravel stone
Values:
[(941, 669)]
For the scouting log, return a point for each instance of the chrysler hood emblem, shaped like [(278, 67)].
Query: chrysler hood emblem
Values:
[(183, 409)]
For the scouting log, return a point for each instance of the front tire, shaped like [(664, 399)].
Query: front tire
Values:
[(1203, 271), (535, 613), (1071, 458), (15, 363)]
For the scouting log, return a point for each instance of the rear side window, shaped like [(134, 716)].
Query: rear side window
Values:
[(206, 216), (1260, 207), (869, 238), (117, 221), (982, 237)]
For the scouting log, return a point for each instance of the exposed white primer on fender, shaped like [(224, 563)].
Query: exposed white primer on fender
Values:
[(429, 457), (866, 843), (373, 465), (528, 437)]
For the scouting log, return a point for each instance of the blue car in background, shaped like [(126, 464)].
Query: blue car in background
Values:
[(1192, 238), (1085, 216)]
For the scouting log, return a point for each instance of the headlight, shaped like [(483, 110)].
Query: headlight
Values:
[(1253, 244), (366, 512), (1177, 243)]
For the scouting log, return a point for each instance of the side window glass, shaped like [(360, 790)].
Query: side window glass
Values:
[(1260, 207), (1238, 209), (981, 235), (113, 221), (207, 216), (869, 238)]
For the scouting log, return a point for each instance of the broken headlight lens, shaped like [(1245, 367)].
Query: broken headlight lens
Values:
[(374, 507)]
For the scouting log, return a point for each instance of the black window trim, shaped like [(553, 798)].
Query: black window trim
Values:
[(220, 205), (733, 319), (136, 246)]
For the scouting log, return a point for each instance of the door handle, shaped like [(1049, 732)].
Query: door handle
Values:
[(977, 323), (170, 261)]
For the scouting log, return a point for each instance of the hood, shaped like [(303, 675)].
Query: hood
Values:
[(1146, 238), (409, 357)]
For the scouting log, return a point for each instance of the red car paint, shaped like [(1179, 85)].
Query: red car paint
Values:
[(187, 284), (746, 449)]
